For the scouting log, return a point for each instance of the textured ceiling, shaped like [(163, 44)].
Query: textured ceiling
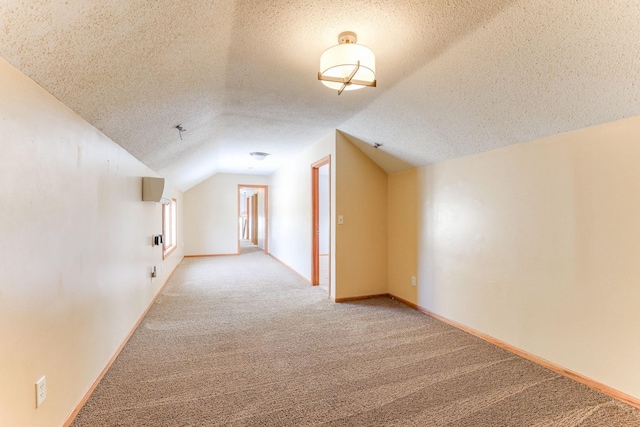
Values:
[(455, 77)]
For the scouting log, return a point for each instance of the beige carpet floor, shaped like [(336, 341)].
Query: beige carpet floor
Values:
[(242, 341)]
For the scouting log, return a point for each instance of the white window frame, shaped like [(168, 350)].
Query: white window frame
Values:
[(169, 228)]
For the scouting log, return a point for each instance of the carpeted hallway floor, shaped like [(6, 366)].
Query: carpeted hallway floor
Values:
[(242, 341)]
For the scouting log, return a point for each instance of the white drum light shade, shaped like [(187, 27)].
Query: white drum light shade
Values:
[(339, 62), (259, 155)]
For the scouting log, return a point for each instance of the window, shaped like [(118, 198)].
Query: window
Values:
[(169, 228)]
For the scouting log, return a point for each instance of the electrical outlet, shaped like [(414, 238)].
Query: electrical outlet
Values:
[(41, 391), (413, 280)]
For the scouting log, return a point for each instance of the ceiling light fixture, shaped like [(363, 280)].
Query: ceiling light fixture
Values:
[(259, 155), (347, 65)]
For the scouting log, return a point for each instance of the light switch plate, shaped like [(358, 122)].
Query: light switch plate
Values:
[(41, 391), (340, 219)]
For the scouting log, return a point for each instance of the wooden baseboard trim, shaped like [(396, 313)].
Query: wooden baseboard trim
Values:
[(209, 255), (603, 388), (349, 299), (290, 268), (97, 380), (405, 302)]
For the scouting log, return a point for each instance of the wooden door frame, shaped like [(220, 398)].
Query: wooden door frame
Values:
[(245, 231), (315, 222), (255, 215), (266, 213)]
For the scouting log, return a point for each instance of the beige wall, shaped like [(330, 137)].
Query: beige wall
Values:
[(290, 208), (211, 214), (403, 234), (75, 251), (537, 245), (361, 242)]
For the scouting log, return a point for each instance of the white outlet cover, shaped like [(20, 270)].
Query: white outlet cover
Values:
[(41, 391)]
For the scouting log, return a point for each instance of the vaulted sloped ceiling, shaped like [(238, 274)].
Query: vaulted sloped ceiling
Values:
[(455, 77)]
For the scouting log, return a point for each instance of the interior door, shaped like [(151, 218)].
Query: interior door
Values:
[(321, 228)]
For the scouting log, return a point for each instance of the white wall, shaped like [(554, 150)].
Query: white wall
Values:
[(290, 208), (211, 214), (324, 215), (75, 251), (538, 245), (261, 218)]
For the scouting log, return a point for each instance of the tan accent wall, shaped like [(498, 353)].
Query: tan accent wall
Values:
[(536, 244), (403, 234), (361, 242), (75, 252)]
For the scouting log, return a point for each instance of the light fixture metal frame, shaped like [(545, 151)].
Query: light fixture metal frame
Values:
[(346, 81), (347, 37)]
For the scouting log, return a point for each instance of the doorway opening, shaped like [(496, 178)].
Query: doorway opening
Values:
[(321, 215), (253, 218)]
